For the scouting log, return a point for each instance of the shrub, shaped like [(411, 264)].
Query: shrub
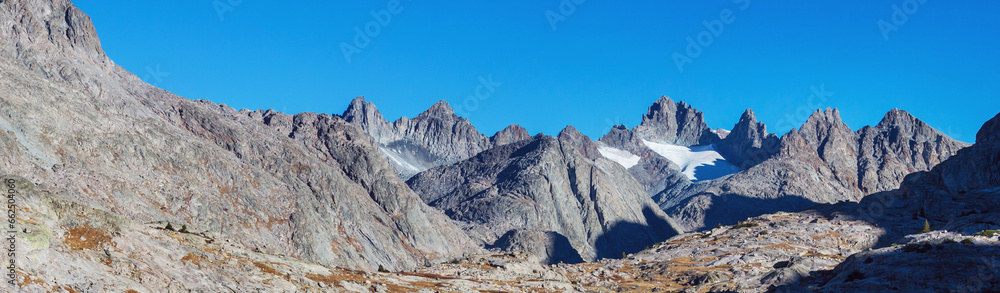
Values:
[(988, 233), (927, 227), (184, 229), (746, 224), (454, 261), (764, 232), (382, 269), (967, 241), (169, 227)]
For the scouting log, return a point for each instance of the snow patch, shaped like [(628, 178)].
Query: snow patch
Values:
[(697, 163), (399, 161), (622, 157)]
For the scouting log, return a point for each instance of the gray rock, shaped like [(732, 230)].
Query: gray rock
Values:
[(675, 123), (548, 185)]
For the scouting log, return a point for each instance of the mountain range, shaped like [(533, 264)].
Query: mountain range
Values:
[(125, 186)]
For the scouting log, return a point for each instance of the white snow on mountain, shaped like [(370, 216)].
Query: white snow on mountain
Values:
[(623, 157), (697, 163), (401, 162)]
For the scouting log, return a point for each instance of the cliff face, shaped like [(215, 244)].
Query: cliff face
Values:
[(310, 186)]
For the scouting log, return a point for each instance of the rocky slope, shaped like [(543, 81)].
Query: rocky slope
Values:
[(308, 186), (547, 192)]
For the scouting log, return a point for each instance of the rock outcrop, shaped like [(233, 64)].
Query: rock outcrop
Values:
[(547, 185)]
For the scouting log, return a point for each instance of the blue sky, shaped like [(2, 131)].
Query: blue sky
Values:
[(602, 63)]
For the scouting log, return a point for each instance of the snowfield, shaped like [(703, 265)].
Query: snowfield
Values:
[(697, 163), (623, 157)]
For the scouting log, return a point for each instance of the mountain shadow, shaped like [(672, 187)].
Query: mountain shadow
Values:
[(621, 238)]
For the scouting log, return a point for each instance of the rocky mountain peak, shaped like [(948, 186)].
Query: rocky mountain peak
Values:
[(513, 133), (748, 116), (569, 136), (897, 117), (749, 143), (675, 123), (822, 124), (440, 110), (367, 116)]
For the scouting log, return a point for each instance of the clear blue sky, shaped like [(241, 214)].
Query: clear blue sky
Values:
[(604, 63)]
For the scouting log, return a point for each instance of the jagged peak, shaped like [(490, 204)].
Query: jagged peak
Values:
[(570, 131), (748, 115), (897, 117), (830, 115), (360, 108), (512, 133), (662, 105), (440, 109), (572, 137), (513, 127)]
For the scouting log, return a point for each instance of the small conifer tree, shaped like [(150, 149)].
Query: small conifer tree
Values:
[(382, 269), (927, 227), (184, 229), (169, 227)]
